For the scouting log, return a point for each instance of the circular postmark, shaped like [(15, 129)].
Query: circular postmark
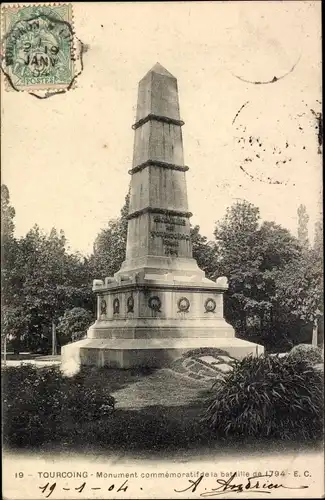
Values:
[(271, 138), (39, 50)]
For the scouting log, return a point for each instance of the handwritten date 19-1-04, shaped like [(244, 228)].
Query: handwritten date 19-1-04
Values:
[(254, 484), (48, 488)]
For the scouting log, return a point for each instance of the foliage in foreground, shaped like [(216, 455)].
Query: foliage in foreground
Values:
[(268, 397), (81, 418), (40, 403), (306, 353), (262, 397)]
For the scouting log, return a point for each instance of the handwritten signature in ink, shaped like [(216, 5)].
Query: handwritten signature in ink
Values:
[(254, 484)]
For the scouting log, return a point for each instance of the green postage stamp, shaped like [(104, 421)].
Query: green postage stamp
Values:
[(39, 50)]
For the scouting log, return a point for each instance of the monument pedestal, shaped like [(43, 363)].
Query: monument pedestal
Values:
[(159, 304), (151, 353), (151, 322)]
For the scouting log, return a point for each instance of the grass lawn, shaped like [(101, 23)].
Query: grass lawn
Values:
[(156, 412), (159, 411), (155, 409)]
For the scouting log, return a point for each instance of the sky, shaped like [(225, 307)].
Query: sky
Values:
[(65, 159)]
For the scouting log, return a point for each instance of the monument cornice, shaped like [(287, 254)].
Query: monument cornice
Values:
[(164, 211), (150, 287), (157, 118), (158, 163)]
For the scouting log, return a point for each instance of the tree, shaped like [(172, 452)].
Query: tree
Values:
[(205, 253), (303, 219), (7, 215), (318, 237), (299, 290), (51, 282), (11, 320), (73, 325), (110, 245), (235, 235), (300, 285), (251, 255), (319, 253)]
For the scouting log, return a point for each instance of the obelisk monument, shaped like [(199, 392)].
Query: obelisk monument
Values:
[(159, 226), (159, 304)]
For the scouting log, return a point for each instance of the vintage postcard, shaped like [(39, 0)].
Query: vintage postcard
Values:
[(162, 330)]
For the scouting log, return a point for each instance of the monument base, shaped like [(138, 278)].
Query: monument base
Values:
[(151, 353), (148, 321)]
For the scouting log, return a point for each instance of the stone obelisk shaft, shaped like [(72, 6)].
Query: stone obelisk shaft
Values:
[(159, 228)]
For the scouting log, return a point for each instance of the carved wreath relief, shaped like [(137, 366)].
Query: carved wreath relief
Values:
[(210, 305), (183, 304), (155, 303)]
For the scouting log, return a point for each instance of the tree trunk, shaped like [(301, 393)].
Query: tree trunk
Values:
[(54, 349), (16, 345), (5, 350), (315, 333)]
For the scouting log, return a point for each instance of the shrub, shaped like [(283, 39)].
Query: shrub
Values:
[(268, 397), (40, 404), (86, 401), (306, 353), (73, 324), (31, 400)]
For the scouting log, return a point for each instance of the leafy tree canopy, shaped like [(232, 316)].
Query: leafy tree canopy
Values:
[(73, 324), (204, 252), (110, 245), (303, 219), (253, 255), (7, 214)]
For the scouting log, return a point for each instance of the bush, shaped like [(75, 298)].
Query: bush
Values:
[(73, 325), (268, 397), (40, 404), (306, 353), (30, 402)]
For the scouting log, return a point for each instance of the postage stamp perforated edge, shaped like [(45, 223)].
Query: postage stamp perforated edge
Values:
[(75, 59)]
